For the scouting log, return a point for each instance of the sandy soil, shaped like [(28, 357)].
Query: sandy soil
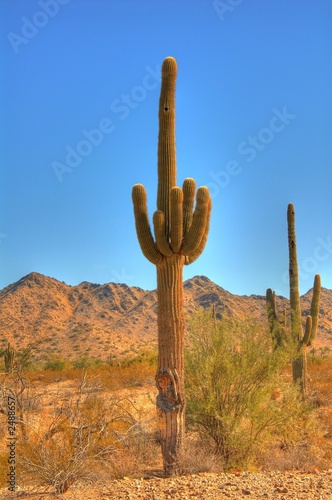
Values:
[(316, 485)]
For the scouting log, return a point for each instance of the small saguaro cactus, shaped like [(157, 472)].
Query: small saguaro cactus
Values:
[(300, 339), (9, 356), (277, 327), (180, 235)]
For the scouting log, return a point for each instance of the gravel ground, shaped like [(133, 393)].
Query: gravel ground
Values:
[(271, 485)]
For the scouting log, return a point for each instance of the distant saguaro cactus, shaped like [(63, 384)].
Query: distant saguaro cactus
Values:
[(180, 232), (300, 339), (277, 327), (9, 356)]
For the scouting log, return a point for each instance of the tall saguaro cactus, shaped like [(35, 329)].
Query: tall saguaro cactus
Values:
[(180, 234), (300, 339)]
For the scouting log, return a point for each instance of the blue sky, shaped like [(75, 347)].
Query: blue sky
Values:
[(79, 123)]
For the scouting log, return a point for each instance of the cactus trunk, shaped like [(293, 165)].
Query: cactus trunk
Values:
[(170, 375), (299, 369)]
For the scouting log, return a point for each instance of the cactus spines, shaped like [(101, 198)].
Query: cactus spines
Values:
[(180, 235)]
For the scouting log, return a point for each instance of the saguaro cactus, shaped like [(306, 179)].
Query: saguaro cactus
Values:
[(9, 356), (180, 232), (300, 339), (277, 327)]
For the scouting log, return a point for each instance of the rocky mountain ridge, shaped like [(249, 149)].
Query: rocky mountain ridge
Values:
[(116, 319)]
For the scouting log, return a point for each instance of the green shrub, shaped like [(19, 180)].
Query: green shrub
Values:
[(235, 393), (145, 357), (85, 362), (55, 364), (82, 363)]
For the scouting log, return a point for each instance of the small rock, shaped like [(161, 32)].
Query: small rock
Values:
[(281, 490)]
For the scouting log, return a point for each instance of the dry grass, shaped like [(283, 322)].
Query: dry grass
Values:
[(121, 373), (320, 373), (315, 452)]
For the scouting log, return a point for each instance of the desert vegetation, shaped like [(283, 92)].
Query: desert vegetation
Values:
[(77, 421), (240, 395), (95, 421)]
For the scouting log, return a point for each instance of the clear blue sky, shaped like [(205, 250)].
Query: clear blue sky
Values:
[(254, 107)]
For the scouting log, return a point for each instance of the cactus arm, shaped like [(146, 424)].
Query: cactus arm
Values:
[(195, 234), (314, 309), (189, 190), (176, 218), (194, 255), (159, 231), (307, 331), (166, 140), (145, 239)]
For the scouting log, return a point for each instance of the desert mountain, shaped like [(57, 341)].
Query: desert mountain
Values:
[(115, 319)]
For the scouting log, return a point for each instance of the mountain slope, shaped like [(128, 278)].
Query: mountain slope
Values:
[(99, 320)]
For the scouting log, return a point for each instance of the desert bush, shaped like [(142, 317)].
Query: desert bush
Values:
[(15, 384), (86, 362), (235, 393), (197, 456), (83, 437), (136, 371), (114, 374), (56, 462), (144, 357), (320, 390), (55, 364), (77, 434)]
